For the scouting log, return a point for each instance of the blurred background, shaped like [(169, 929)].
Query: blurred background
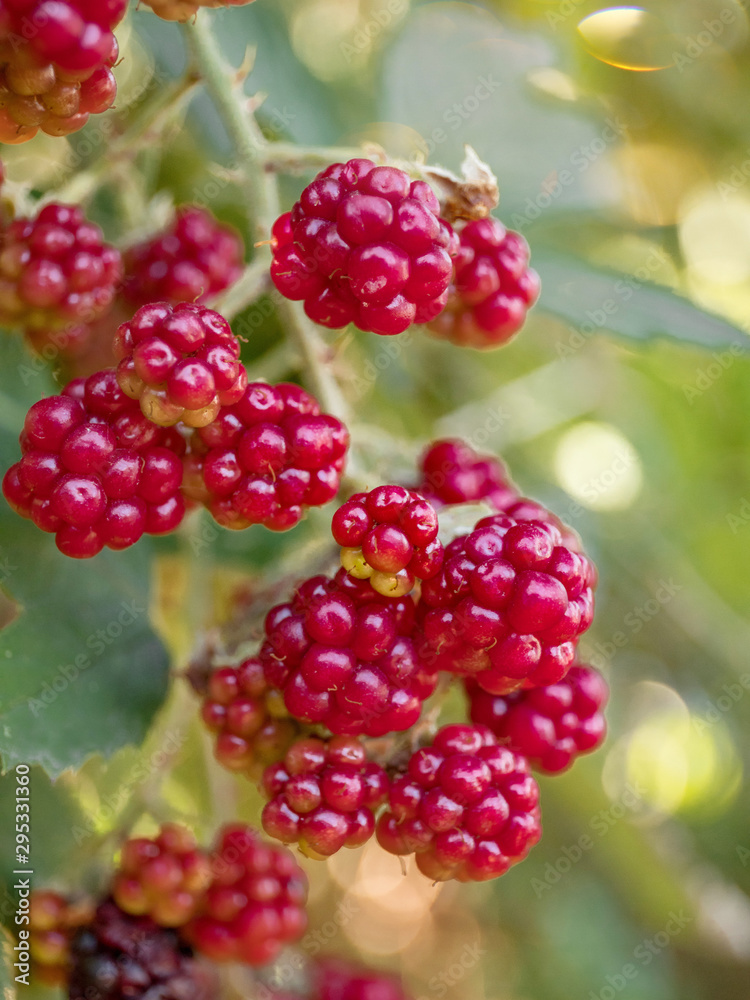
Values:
[(621, 140)]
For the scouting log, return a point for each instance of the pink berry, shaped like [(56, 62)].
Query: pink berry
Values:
[(452, 472)]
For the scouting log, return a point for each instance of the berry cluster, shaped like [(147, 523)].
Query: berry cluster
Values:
[(94, 471), (452, 472), (389, 537), (53, 922), (193, 260), (322, 795), (265, 459), (344, 657), (466, 807), (163, 878), (183, 10), (255, 903), (492, 287), (56, 62), (252, 726), (55, 270), (510, 602), (365, 245), (181, 362), (550, 725)]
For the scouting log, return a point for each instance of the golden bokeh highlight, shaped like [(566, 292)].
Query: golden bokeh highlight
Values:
[(597, 465), (628, 38)]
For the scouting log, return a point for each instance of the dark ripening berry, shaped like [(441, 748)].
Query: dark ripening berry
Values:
[(365, 245), (193, 260), (94, 471), (389, 537), (466, 807), (336, 979), (181, 363), (255, 904), (56, 271), (550, 725), (119, 957), (452, 472), (183, 10), (492, 287), (510, 602), (53, 922), (57, 58), (344, 657), (267, 458), (322, 796)]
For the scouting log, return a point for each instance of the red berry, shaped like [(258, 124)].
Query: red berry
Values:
[(53, 921), (323, 795), (55, 271), (344, 657), (365, 245), (336, 979), (467, 807), (452, 472), (255, 902), (492, 288), (193, 260), (182, 363), (551, 725)]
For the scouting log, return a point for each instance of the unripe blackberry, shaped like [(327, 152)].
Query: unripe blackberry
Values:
[(57, 58), (255, 903), (252, 726), (344, 657), (550, 725), (322, 796), (452, 472), (389, 537), (336, 979), (119, 957), (510, 602), (94, 471), (492, 287), (183, 10), (55, 270), (365, 245), (466, 807), (193, 260), (268, 457), (53, 922), (163, 878)]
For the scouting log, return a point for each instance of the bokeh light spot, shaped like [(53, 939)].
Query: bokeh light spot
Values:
[(597, 465), (628, 38)]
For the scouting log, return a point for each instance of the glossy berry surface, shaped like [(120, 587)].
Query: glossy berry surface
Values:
[(389, 536), (550, 725), (466, 807), (183, 10), (493, 287), (193, 260), (162, 877), (322, 795), (336, 979), (510, 602), (255, 903), (251, 724), (181, 363), (344, 657), (365, 245), (53, 922), (94, 471), (55, 270), (452, 472), (267, 458), (57, 60)]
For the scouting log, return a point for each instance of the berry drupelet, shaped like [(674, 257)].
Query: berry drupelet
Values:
[(322, 795), (55, 270), (344, 657), (467, 807), (389, 537), (492, 287), (53, 922), (56, 62), (94, 471), (182, 363), (336, 979), (510, 602), (183, 10), (193, 260), (365, 245), (267, 458), (163, 878), (452, 472), (256, 901), (550, 725)]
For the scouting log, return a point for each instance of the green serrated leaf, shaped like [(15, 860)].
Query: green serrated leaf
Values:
[(593, 300)]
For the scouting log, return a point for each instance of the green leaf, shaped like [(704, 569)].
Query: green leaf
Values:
[(592, 301)]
